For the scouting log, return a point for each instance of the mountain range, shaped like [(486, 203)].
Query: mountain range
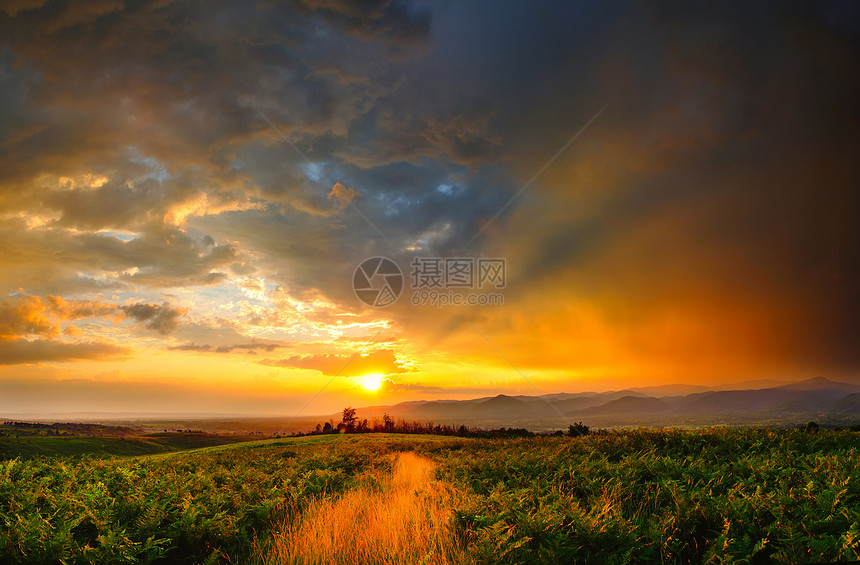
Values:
[(818, 399)]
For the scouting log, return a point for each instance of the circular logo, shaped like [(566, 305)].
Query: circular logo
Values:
[(377, 281)]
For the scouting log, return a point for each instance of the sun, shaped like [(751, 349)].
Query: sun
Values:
[(371, 382)]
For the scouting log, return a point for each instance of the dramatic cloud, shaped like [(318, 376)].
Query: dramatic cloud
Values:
[(23, 318), (250, 348), (382, 361), (205, 178), (164, 319), (341, 194), (20, 351), (75, 309), (30, 331)]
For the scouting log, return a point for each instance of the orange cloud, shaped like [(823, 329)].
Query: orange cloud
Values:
[(383, 361), (342, 195), (25, 315), (75, 309), (23, 351)]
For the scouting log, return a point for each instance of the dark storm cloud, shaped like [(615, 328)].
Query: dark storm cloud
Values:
[(744, 167), (723, 163), (164, 318), (116, 204), (160, 257), (725, 160), (395, 23), (159, 104)]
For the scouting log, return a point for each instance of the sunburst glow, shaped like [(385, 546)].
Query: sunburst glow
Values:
[(371, 382)]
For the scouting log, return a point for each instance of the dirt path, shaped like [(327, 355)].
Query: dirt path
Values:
[(408, 520)]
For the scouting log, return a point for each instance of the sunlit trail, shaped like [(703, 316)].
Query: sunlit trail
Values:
[(405, 519)]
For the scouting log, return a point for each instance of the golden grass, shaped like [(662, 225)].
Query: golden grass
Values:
[(407, 518)]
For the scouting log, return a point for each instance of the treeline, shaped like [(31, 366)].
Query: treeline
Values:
[(67, 428), (351, 424)]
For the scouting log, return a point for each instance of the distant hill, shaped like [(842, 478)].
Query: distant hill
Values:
[(849, 404), (571, 405), (820, 383), (500, 407), (512, 407), (804, 400), (810, 397), (627, 405), (733, 401), (671, 390)]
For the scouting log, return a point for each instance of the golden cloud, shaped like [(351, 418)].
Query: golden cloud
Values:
[(383, 361)]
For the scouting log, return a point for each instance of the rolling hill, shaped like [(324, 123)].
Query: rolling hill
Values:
[(817, 398), (627, 405)]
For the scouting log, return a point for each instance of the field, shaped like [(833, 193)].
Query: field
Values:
[(29, 440), (708, 496)]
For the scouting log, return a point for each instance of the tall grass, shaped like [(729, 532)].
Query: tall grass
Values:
[(406, 517), (660, 496), (635, 496), (191, 507)]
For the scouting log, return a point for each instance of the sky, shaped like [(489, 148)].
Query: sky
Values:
[(188, 188)]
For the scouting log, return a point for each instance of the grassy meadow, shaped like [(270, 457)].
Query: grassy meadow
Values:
[(640, 496)]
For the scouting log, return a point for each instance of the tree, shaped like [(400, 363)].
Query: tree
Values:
[(349, 418), (388, 422), (577, 429)]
